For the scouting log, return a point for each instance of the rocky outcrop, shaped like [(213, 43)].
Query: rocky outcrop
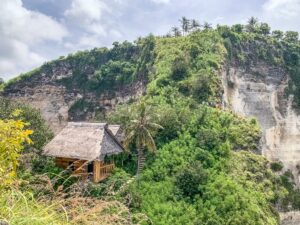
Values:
[(45, 92), (259, 91), (290, 218)]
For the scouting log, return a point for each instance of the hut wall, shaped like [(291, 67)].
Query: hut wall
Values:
[(63, 162), (97, 174), (100, 169), (79, 166)]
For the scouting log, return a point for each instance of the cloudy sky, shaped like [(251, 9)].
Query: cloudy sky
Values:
[(35, 31)]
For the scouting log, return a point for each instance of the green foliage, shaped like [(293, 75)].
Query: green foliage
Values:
[(291, 36), (278, 49), (205, 171), (33, 118), (100, 70), (276, 166), (12, 137), (179, 68), (112, 186), (197, 169), (195, 172), (22, 208), (191, 179)]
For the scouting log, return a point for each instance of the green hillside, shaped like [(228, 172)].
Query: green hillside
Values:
[(206, 169)]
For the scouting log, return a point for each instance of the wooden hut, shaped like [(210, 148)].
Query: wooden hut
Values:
[(82, 147)]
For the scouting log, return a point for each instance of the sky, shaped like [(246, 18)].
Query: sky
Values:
[(35, 31)]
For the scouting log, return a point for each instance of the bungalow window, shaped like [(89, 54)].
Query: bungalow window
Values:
[(71, 166), (90, 167)]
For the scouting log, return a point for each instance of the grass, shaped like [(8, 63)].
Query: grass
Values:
[(22, 208)]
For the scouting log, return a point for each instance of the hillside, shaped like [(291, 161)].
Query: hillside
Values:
[(208, 89)]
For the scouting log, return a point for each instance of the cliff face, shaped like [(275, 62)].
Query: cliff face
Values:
[(259, 92), (59, 104)]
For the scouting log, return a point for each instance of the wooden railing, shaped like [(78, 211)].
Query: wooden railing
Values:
[(105, 170)]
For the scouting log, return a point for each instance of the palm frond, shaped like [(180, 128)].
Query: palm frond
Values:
[(129, 138), (155, 126), (149, 141)]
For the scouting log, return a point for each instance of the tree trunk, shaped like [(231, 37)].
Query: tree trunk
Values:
[(141, 160)]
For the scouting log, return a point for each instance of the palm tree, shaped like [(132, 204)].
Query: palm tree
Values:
[(176, 32), (207, 26), (195, 24), (185, 25), (140, 131), (252, 23)]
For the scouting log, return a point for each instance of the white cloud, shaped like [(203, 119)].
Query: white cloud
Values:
[(88, 15), (20, 31), (94, 21), (282, 8), (282, 14), (15, 57)]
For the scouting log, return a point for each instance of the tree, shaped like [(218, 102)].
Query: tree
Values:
[(194, 24), (264, 29), (42, 133), (252, 23), (238, 28), (185, 25), (278, 34), (179, 69), (12, 137), (190, 180), (140, 131), (176, 32), (207, 26), (291, 36)]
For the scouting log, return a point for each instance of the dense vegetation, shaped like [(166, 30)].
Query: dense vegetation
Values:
[(39, 193), (204, 170)]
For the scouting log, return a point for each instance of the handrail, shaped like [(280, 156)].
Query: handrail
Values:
[(105, 170)]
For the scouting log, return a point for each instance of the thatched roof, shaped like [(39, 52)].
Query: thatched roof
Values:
[(114, 128), (117, 132), (87, 141)]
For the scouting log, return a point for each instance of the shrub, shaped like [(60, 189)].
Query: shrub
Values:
[(190, 180), (179, 68), (276, 166)]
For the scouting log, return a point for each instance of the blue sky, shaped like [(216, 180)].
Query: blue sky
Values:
[(35, 31)]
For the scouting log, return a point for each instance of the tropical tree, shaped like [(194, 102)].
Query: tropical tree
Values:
[(252, 23), (207, 26), (194, 24), (278, 34), (185, 25), (264, 29), (176, 31), (140, 131), (12, 137), (291, 36)]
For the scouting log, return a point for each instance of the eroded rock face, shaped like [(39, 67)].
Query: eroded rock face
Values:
[(45, 92), (290, 218), (50, 100), (259, 92)]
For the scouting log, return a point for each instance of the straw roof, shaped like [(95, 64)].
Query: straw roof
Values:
[(114, 128), (87, 141), (117, 132)]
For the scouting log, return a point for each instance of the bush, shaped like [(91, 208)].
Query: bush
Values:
[(276, 166), (190, 180), (179, 68)]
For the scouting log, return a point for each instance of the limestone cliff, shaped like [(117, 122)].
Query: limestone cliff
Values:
[(259, 91)]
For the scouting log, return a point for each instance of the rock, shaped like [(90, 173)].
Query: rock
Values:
[(290, 218), (259, 92)]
